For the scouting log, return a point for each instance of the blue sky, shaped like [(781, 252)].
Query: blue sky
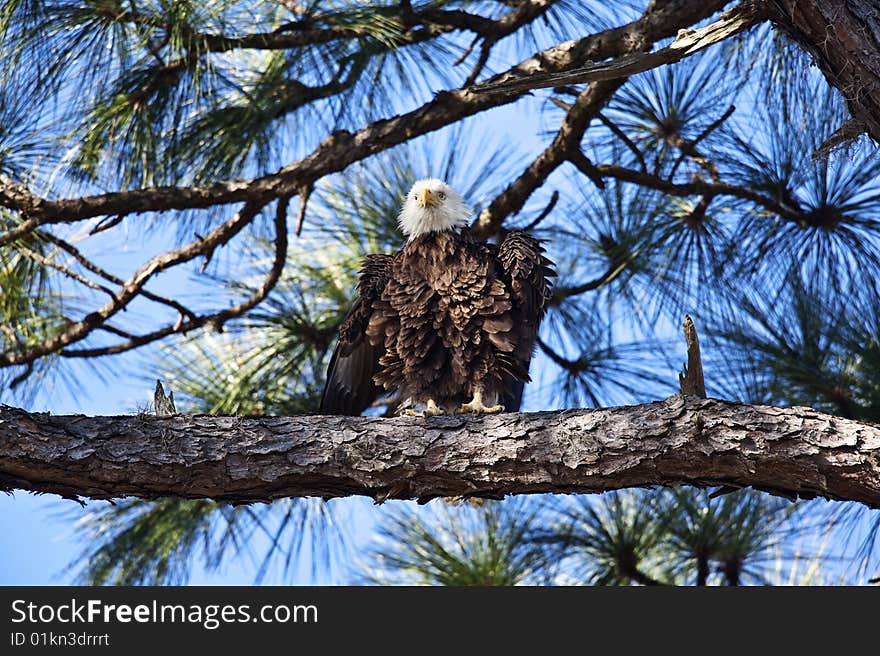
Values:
[(37, 537)]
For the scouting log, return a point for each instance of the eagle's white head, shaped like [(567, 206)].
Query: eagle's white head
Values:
[(432, 206)]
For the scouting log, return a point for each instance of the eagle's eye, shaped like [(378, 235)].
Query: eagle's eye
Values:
[(441, 195)]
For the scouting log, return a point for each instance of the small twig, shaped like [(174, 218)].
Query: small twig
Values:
[(467, 52), (714, 125), (620, 134), (304, 194), (81, 329), (67, 271), (208, 255), (115, 331), (216, 319), (545, 213), (572, 366), (585, 166), (106, 224), (690, 147), (18, 380), (562, 293), (567, 90), (842, 137), (689, 151), (691, 381), (485, 51), (71, 250), (696, 216)]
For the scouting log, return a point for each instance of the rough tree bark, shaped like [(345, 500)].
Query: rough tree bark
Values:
[(843, 36), (797, 452)]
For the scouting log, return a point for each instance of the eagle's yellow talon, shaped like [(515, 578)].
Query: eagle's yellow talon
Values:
[(431, 410), (476, 406)]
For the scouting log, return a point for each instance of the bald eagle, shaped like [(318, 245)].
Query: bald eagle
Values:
[(447, 323)]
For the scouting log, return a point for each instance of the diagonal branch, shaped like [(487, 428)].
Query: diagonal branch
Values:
[(796, 452), (571, 366), (216, 319), (561, 149), (686, 43), (566, 146), (71, 250), (65, 270), (560, 294), (689, 148), (620, 134), (132, 287)]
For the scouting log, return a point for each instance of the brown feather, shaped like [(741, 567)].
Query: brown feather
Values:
[(449, 315)]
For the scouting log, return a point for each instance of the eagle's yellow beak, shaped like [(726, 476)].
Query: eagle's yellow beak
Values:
[(428, 199)]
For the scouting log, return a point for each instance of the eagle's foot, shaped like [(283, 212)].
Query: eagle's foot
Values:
[(476, 406), (431, 410)]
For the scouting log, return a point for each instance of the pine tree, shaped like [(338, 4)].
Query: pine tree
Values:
[(261, 149)]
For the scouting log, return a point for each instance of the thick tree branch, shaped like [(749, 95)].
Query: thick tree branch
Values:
[(687, 43), (843, 37), (797, 452)]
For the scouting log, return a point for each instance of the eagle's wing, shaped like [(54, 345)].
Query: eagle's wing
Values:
[(528, 274), (349, 389)]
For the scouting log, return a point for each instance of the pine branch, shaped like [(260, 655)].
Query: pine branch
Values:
[(620, 134), (795, 452), (560, 294), (94, 268), (343, 148), (217, 319), (132, 287), (689, 148), (698, 187), (566, 146), (561, 149), (334, 154), (686, 43)]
